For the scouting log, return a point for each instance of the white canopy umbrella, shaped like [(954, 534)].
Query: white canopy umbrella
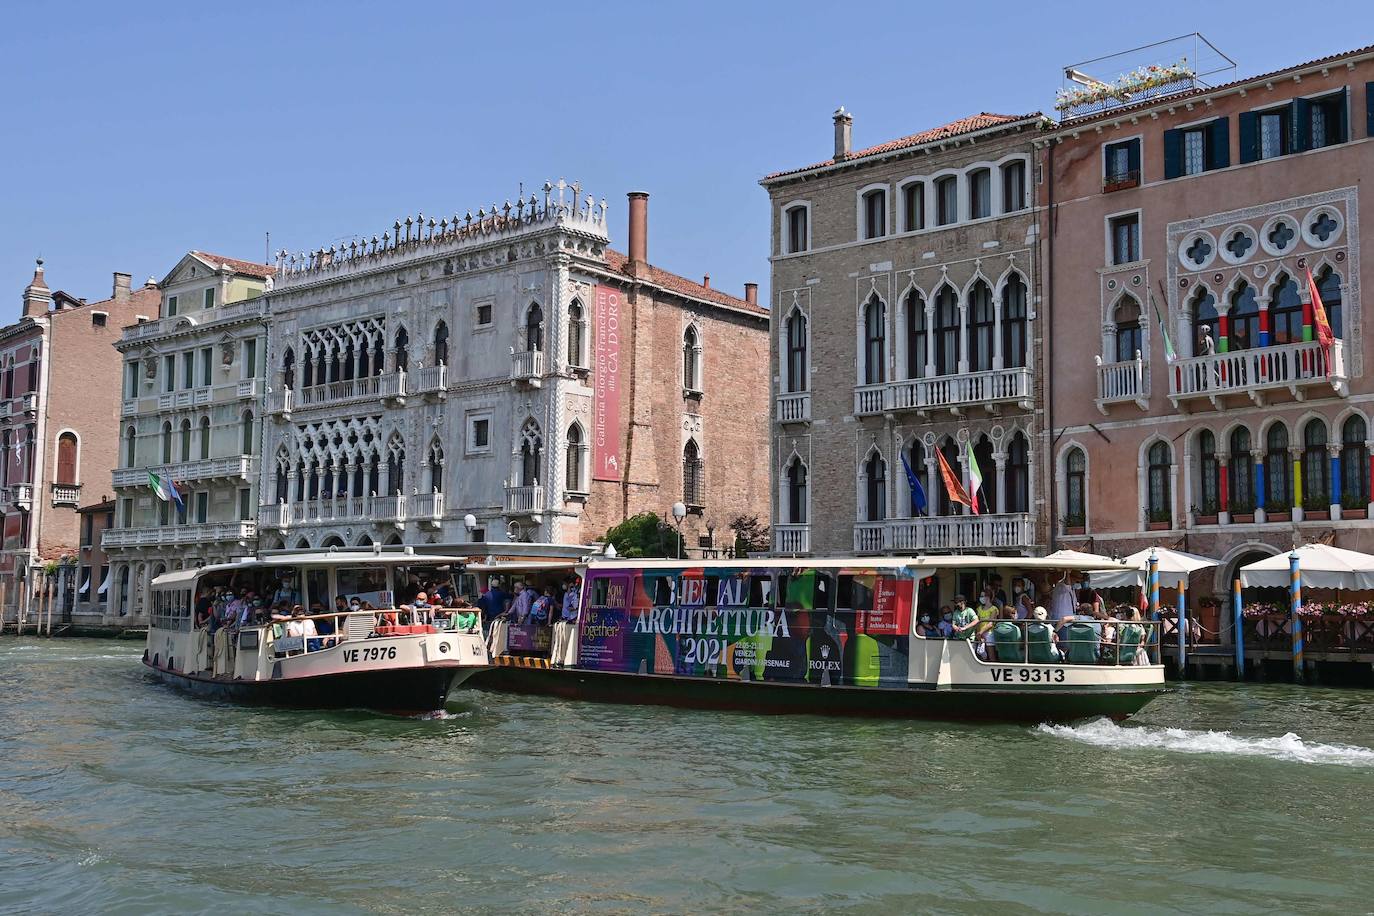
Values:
[(1321, 566), (1174, 568), (1076, 558)]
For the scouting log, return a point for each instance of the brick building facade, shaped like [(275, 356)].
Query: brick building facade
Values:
[(905, 321), (1207, 208), (59, 402)]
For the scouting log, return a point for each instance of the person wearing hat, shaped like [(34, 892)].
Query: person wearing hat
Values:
[(965, 619)]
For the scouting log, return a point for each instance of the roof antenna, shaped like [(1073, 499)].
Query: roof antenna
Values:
[(267, 249)]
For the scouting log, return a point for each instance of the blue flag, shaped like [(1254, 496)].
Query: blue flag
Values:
[(918, 493)]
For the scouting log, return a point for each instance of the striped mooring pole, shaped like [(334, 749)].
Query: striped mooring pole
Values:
[(1182, 626), (1155, 641), (1295, 596), (1238, 628)]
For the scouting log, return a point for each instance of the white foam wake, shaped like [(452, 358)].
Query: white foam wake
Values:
[(1106, 733)]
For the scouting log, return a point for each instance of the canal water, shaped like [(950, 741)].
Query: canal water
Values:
[(121, 795)]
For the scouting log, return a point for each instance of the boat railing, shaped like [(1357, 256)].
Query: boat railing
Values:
[(352, 625), (1074, 641)]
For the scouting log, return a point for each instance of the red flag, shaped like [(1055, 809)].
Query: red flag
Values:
[(953, 487), (1324, 335)]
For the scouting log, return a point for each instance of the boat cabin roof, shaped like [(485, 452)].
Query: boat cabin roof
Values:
[(916, 563), (182, 578)]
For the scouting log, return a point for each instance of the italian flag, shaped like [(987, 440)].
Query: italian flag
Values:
[(975, 479), (164, 489)]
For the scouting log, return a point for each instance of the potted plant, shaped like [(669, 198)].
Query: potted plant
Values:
[(1160, 519), (1073, 524), (1205, 514), (1353, 507), (1316, 507), (1243, 511), (1278, 508)]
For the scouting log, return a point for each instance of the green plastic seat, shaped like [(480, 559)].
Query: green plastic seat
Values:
[(1130, 636), (1081, 640), (1006, 636), (1040, 644)]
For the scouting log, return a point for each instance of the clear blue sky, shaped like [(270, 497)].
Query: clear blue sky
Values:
[(137, 131)]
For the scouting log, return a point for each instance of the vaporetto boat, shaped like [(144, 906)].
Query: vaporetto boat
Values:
[(369, 658), (835, 636)]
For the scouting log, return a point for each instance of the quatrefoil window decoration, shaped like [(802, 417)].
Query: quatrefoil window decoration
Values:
[(1323, 226), (1239, 244), (1199, 251), (1281, 236)]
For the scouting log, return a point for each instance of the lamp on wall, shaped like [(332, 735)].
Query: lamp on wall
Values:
[(470, 523)]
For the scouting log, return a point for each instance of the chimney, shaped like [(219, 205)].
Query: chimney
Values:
[(751, 293), (37, 296), (843, 123), (706, 281), (639, 229), (150, 283), (121, 287)]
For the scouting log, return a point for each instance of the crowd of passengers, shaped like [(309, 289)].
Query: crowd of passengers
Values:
[(427, 603), (1082, 632), (532, 603)]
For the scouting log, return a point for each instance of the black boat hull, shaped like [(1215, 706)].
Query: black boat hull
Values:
[(403, 690), (1040, 704)]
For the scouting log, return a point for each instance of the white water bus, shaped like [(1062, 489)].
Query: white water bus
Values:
[(836, 636), (374, 658)]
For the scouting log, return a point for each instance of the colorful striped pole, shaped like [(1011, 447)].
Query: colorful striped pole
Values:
[(1295, 597), (1237, 628), (1154, 605), (1182, 626)]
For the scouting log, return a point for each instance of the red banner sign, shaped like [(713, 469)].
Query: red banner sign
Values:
[(606, 385), (891, 614)]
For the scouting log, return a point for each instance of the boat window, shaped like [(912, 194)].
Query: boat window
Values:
[(732, 591), (663, 591), (601, 587), (317, 589), (760, 590), (807, 590), (430, 578), (366, 583), (855, 592), (695, 591)]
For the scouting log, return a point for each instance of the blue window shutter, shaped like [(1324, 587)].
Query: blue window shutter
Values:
[(1173, 153), (1369, 109), (1249, 136), (1342, 115), (1133, 157), (1299, 125), (1219, 143)]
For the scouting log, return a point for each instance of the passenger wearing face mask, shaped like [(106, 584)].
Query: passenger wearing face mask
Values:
[(946, 625), (926, 629)]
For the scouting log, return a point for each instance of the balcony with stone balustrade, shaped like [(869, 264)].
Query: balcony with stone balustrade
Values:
[(232, 468), (1006, 531), (794, 407), (179, 535), (1297, 371), (991, 390), (1123, 383), (792, 539)]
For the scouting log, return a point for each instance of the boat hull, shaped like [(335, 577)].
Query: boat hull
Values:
[(403, 690), (984, 704)]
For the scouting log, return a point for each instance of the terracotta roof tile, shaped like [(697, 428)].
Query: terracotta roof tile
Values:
[(967, 125), (248, 268), (619, 263)]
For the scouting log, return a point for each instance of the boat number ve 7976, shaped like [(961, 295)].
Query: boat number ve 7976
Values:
[(1029, 675), (369, 654)]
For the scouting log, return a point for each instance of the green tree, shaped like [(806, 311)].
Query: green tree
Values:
[(643, 535), (751, 535)]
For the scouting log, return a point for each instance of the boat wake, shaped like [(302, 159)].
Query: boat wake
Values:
[(1290, 747)]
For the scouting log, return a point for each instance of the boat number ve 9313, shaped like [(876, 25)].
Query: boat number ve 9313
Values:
[(1029, 675), (369, 654)]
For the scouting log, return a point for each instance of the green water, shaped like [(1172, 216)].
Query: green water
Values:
[(121, 795)]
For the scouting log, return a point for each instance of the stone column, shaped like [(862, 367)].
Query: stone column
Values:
[(963, 335), (1257, 474), (1000, 459), (930, 338), (997, 356)]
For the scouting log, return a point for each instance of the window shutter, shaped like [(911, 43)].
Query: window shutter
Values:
[(1342, 115), (1249, 136), (1133, 158), (1173, 153), (1369, 109), (1219, 143), (1299, 125)]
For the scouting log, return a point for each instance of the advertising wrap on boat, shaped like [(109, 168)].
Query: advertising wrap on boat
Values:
[(726, 624)]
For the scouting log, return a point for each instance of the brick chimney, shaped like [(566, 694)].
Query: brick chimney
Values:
[(843, 125), (751, 293), (122, 283), (706, 281), (37, 296), (639, 230)]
